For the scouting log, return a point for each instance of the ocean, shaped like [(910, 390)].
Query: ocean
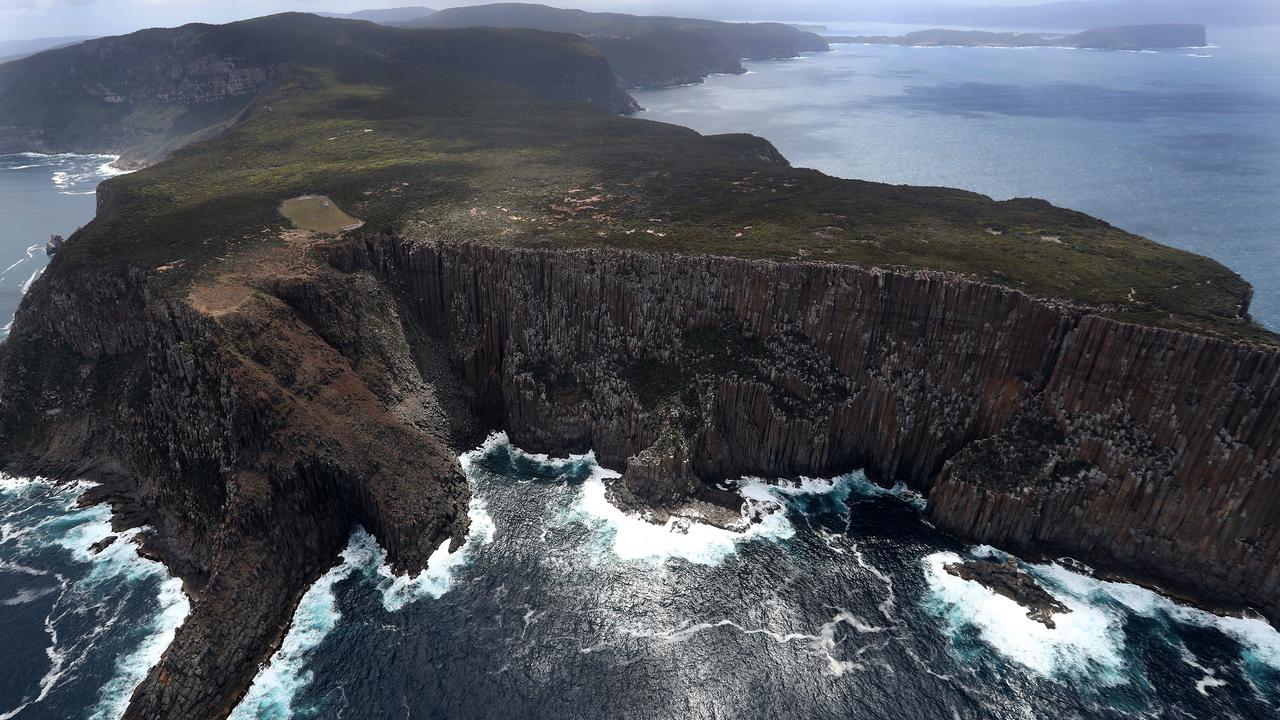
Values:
[(837, 604), (1182, 146), (41, 195)]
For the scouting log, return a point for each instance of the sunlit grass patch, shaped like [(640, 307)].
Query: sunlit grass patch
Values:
[(318, 214)]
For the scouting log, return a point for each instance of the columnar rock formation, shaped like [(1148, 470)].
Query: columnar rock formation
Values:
[(1151, 452), (252, 424)]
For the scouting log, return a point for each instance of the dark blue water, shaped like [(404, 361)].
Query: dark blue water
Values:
[(560, 606), (835, 606), (78, 629), (40, 195), (1180, 146)]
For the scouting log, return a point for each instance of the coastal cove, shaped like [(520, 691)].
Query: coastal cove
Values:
[(1178, 146)]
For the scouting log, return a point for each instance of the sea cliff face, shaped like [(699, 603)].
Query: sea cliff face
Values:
[(1160, 460), (1150, 452), (251, 424)]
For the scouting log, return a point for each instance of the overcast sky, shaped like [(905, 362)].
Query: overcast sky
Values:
[(21, 19)]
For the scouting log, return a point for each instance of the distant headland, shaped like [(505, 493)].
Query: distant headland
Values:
[(1127, 37)]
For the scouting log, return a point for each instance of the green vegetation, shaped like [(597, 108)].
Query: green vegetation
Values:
[(434, 144), (318, 214), (645, 51), (145, 94)]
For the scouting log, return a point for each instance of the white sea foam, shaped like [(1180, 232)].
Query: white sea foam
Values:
[(132, 668), (116, 567), (631, 537), (67, 179), (272, 694), (9, 484), (1259, 641), (1210, 677), (1086, 642), (27, 595), (273, 690), (442, 566), (27, 285)]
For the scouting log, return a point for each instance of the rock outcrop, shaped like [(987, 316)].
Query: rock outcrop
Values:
[(1007, 578)]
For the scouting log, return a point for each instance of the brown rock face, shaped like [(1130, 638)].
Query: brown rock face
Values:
[(252, 421), (1165, 465), (1149, 452)]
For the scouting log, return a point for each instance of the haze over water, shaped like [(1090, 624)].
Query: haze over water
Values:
[(1180, 146)]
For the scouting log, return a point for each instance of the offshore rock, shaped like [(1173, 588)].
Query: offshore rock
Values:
[(1008, 579)]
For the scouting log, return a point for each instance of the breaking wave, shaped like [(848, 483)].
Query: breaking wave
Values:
[(111, 610)]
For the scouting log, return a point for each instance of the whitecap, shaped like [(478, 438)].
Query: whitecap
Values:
[(1088, 641), (438, 577), (173, 608)]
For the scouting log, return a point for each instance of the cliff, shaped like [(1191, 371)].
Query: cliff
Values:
[(146, 94), (693, 308), (645, 52), (250, 425)]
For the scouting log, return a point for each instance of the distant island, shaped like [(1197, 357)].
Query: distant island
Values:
[(1126, 37)]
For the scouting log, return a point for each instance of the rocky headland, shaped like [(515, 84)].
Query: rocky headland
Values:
[(645, 52), (692, 308)]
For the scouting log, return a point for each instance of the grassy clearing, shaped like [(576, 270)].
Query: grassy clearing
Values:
[(318, 213)]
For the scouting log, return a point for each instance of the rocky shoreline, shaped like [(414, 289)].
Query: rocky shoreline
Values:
[(975, 395)]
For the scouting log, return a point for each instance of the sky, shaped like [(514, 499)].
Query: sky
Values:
[(24, 19)]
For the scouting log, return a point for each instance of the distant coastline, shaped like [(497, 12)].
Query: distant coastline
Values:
[(1129, 37)]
